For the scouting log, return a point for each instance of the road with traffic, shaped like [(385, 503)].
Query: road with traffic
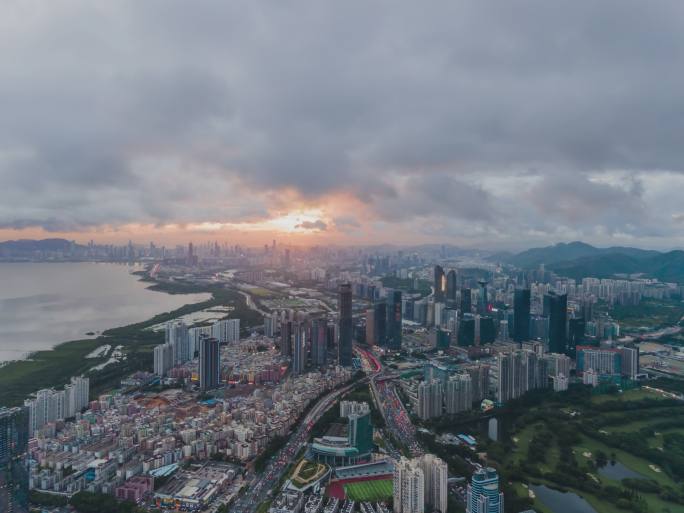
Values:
[(262, 486)]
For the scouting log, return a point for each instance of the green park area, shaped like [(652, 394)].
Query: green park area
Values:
[(54, 368), (407, 284), (620, 453), (377, 490)]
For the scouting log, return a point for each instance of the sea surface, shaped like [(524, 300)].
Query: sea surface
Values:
[(44, 304)]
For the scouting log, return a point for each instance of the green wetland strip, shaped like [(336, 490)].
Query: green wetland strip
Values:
[(54, 367)]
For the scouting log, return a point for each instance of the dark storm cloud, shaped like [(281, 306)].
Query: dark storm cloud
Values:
[(313, 225), (168, 112)]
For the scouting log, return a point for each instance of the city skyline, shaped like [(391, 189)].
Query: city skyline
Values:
[(341, 257), (466, 124)]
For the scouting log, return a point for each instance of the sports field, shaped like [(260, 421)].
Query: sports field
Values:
[(372, 491)]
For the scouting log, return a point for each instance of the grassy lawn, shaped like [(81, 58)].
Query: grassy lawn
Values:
[(524, 438), (650, 313), (636, 394), (373, 491)]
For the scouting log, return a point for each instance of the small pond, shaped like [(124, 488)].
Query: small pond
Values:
[(560, 502)]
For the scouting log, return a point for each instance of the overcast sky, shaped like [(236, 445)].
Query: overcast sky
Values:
[(478, 123)]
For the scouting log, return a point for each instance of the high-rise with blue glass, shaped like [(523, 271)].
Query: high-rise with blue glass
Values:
[(483, 493), (14, 427)]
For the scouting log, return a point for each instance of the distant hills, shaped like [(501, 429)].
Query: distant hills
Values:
[(24, 249), (30, 245), (578, 260)]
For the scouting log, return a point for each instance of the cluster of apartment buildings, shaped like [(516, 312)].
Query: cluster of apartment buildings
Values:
[(420, 484), (123, 436), (183, 343), (50, 406)]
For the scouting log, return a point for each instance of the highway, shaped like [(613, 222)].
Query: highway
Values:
[(392, 409), (262, 486)]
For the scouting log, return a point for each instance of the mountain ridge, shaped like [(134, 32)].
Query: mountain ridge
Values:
[(578, 260)]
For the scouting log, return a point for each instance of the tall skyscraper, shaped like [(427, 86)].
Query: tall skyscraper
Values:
[(558, 318), (451, 288), (319, 346), (14, 435), (371, 338), (209, 363), (466, 331), (482, 300), (299, 349), (376, 324), (483, 493), (521, 315), (487, 330), (286, 338), (409, 487), (394, 321), (466, 301), (576, 328), (630, 361), (344, 305), (439, 283)]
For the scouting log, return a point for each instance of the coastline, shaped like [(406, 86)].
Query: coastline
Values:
[(52, 368)]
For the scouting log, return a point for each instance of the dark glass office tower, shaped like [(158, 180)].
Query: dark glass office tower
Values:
[(451, 287), (576, 329), (299, 349), (209, 363), (344, 306), (319, 346), (558, 318), (394, 321), (466, 301), (466, 331), (521, 315), (482, 300), (376, 324), (439, 284), (286, 338), (487, 330), (14, 427)]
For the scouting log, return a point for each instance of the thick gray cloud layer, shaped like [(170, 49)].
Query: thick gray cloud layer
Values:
[(510, 121)]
